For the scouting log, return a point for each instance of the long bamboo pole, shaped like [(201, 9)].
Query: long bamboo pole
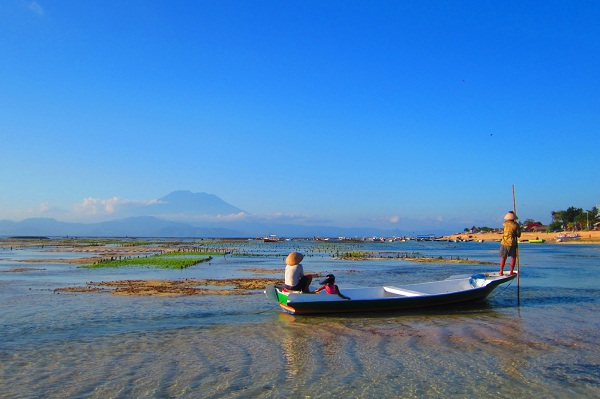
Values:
[(518, 255)]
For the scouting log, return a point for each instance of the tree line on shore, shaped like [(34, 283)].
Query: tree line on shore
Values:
[(572, 218), (575, 219)]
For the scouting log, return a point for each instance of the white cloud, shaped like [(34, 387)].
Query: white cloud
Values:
[(384, 220), (36, 7), (233, 217), (294, 218), (95, 206)]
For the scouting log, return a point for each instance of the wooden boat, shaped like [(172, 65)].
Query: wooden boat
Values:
[(456, 289)]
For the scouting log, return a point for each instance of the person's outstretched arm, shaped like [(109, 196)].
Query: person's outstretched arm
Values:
[(342, 295)]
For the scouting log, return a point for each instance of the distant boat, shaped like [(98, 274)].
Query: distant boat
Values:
[(347, 239), (537, 241), (567, 237), (457, 289), (271, 238)]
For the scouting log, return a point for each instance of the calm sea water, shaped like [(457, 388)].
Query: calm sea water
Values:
[(103, 346)]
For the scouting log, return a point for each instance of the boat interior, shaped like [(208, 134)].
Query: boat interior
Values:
[(411, 290)]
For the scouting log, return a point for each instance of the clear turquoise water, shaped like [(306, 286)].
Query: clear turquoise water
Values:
[(102, 346)]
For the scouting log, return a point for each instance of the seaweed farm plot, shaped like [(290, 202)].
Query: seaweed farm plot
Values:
[(169, 260), (187, 287)]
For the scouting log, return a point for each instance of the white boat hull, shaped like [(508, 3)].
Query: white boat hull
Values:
[(430, 294)]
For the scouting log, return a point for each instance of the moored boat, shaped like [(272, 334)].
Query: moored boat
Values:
[(567, 237), (453, 290), (537, 241), (271, 238)]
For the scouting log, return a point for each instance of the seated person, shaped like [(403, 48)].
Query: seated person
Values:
[(330, 287), (295, 279)]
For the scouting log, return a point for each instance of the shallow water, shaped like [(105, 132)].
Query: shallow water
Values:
[(537, 342)]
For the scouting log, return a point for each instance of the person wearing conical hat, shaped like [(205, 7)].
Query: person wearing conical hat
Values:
[(295, 279), (509, 244)]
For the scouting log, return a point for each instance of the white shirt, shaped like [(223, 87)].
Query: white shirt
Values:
[(293, 274)]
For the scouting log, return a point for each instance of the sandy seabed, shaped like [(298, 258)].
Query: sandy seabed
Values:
[(241, 286)]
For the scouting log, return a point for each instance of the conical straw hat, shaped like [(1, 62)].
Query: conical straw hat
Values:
[(294, 258)]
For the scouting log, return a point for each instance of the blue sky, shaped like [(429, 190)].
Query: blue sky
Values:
[(391, 114)]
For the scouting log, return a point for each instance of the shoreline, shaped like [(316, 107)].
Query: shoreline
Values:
[(586, 237)]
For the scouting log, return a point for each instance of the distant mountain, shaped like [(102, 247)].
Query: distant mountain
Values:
[(180, 204), (38, 227), (179, 214), (142, 226), (187, 202), (149, 226)]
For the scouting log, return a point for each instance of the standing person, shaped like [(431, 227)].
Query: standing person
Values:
[(295, 279), (330, 287), (509, 244)]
